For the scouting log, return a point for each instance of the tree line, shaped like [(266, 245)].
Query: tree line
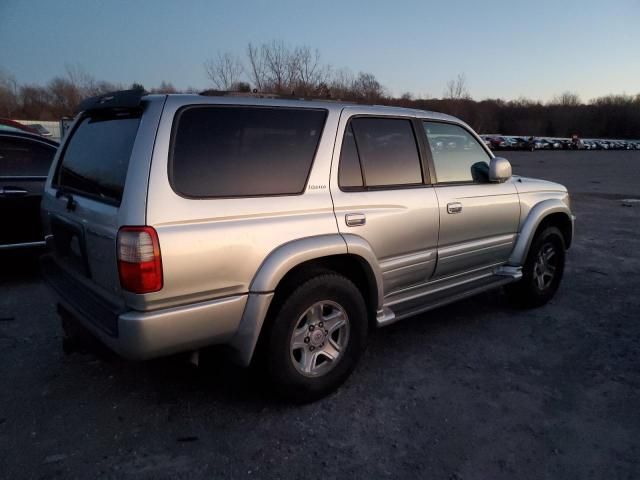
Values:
[(276, 68)]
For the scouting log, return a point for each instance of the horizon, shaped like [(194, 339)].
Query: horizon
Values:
[(538, 62)]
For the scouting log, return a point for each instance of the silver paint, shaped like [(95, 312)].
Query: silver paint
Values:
[(224, 258)]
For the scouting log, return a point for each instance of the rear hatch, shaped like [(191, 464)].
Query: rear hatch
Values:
[(97, 184)]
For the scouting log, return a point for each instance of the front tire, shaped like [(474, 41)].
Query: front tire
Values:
[(317, 337), (542, 271)]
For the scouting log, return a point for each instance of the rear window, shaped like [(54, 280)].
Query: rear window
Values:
[(96, 158), (243, 151)]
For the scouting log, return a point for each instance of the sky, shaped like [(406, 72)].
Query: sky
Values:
[(506, 49)]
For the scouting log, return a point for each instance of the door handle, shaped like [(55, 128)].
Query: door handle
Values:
[(454, 207), (12, 192), (355, 219)]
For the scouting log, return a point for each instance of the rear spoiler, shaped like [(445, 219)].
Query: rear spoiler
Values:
[(121, 100)]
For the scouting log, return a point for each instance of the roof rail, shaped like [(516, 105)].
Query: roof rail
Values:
[(255, 94)]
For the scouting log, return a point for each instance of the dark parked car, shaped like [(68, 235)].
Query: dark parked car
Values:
[(24, 164)]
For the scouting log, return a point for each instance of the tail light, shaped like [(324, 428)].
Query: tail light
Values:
[(139, 261)]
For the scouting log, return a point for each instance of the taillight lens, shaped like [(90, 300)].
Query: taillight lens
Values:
[(139, 261)]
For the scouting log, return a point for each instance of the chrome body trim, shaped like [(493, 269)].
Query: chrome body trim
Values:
[(13, 246)]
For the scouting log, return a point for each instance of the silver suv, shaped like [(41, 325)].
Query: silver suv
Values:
[(284, 229)]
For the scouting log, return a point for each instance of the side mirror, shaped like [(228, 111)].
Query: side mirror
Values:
[(499, 170)]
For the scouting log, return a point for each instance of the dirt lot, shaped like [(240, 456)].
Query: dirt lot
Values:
[(474, 390)]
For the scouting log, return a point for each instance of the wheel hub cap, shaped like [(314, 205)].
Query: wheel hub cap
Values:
[(544, 269), (319, 338)]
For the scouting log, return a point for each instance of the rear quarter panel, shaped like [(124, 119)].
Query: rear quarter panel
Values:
[(213, 247)]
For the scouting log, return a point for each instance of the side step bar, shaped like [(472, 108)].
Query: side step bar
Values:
[(438, 297)]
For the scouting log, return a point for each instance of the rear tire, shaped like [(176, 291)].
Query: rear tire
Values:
[(542, 270), (316, 338)]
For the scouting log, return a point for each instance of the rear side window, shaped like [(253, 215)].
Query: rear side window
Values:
[(24, 158), (349, 172), (243, 151), (96, 158), (388, 151)]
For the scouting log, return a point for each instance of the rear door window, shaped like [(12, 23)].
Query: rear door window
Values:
[(96, 158), (20, 157), (235, 151), (388, 151)]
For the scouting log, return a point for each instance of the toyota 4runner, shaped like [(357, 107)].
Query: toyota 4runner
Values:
[(284, 229)]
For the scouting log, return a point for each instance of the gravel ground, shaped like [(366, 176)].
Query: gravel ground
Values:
[(473, 390)]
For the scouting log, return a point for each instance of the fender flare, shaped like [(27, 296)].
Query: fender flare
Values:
[(281, 260), (277, 264), (536, 215)]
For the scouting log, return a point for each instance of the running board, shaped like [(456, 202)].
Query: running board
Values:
[(438, 297)]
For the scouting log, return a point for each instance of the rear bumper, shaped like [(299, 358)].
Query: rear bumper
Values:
[(143, 335)]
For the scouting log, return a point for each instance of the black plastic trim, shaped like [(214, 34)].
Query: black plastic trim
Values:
[(94, 308), (120, 100)]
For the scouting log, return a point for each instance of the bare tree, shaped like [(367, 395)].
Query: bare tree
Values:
[(65, 96), (165, 87), (366, 87), (273, 67), (224, 70), (457, 89), (281, 66), (80, 79), (8, 94), (567, 99), (35, 102), (310, 71), (257, 66), (341, 83)]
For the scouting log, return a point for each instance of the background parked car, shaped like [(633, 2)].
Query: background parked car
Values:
[(521, 143), (25, 159), (541, 144), (12, 124), (498, 143), (40, 129), (486, 140)]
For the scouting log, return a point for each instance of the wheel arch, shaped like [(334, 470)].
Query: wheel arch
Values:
[(295, 262), (548, 212)]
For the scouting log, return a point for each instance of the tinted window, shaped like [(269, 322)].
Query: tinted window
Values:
[(349, 172), (24, 158), (458, 157), (244, 151), (388, 151), (96, 159)]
